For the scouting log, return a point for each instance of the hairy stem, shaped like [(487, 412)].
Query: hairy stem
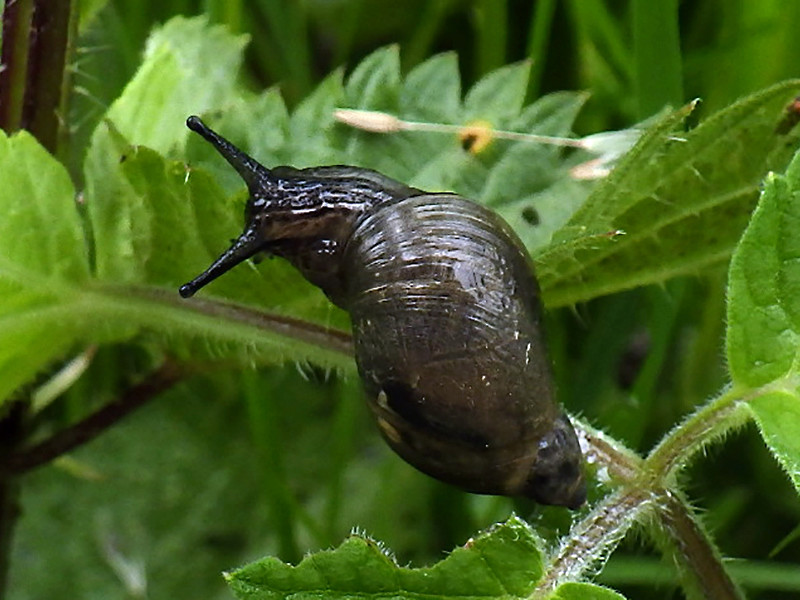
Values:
[(711, 421), (645, 494), (34, 84), (87, 429), (48, 77), (611, 458), (592, 539), (695, 554), (340, 342)]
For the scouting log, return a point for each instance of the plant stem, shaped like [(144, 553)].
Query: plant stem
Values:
[(620, 463), (644, 492), (86, 430), (48, 77), (34, 85), (17, 18), (697, 557), (12, 432), (593, 538), (307, 332), (264, 424), (711, 421)]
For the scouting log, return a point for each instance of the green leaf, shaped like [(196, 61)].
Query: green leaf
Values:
[(189, 67), (552, 114), (505, 562), (375, 85), (584, 591), (43, 259), (778, 417), (764, 287), (763, 338), (680, 201), (159, 224), (375, 82), (432, 91), (313, 134), (499, 96), (155, 225), (44, 237)]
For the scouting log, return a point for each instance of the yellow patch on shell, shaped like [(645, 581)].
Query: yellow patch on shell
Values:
[(389, 431)]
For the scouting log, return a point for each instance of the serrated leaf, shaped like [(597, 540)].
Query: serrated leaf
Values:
[(681, 203), (505, 562), (499, 96), (432, 91), (157, 223), (189, 67), (403, 155), (43, 258), (537, 216), (43, 237), (375, 84), (114, 208), (552, 114)]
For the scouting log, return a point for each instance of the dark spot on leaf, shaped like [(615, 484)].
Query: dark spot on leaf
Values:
[(531, 215), (468, 141)]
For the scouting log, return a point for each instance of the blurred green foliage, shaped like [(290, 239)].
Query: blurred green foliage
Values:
[(234, 465)]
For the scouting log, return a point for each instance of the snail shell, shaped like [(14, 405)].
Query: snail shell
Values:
[(446, 316)]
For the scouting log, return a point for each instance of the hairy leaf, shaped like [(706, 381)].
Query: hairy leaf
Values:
[(677, 202), (161, 226), (778, 417), (764, 288), (505, 562), (43, 260), (763, 339)]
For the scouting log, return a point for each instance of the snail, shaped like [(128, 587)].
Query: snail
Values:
[(446, 319)]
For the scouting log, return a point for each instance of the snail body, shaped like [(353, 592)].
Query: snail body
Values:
[(446, 320)]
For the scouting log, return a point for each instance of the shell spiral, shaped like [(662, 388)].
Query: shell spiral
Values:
[(448, 335)]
